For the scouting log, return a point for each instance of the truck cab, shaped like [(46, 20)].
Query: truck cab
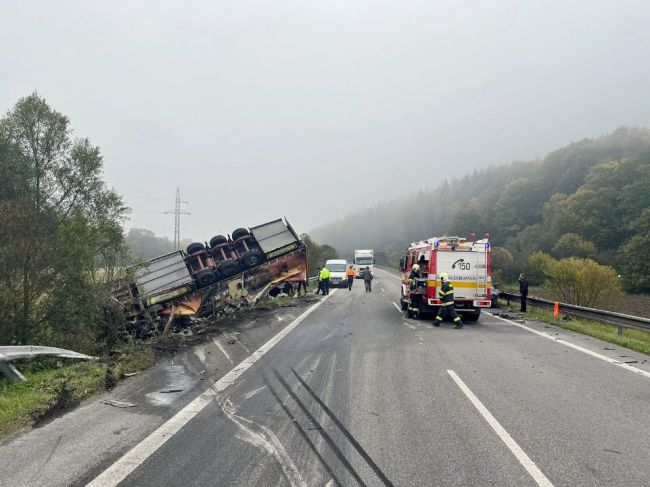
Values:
[(364, 259)]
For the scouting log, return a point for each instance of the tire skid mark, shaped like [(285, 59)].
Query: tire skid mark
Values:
[(264, 439)]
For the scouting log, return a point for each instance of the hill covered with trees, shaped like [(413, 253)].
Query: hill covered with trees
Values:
[(590, 199)]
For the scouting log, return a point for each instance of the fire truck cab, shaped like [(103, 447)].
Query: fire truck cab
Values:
[(466, 261)]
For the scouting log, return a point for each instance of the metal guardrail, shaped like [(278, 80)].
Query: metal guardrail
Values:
[(620, 320), (8, 353)]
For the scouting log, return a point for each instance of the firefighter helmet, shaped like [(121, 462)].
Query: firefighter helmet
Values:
[(444, 277), (416, 267)]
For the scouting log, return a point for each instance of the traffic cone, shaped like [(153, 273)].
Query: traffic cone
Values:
[(556, 310)]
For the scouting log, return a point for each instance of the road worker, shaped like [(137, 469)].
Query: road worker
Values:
[(447, 310), (324, 277), (350, 273)]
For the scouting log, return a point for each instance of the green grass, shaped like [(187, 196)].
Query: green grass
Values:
[(633, 339), (49, 386)]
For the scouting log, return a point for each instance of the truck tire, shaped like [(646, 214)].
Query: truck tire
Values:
[(228, 268), (217, 240), (471, 317), (195, 247), (239, 233), (252, 258), (205, 277)]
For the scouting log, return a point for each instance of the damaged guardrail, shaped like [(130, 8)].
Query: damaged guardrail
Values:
[(621, 320), (9, 353)]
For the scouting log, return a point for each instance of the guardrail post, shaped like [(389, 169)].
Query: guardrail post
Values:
[(620, 330), (12, 372)]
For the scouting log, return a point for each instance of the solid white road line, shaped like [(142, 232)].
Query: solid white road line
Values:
[(396, 305), (117, 472), (597, 355), (512, 445)]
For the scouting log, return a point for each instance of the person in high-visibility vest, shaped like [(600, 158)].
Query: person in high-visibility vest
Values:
[(447, 310), (350, 274), (325, 280)]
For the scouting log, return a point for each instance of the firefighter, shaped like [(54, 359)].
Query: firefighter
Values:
[(325, 280), (447, 307), (414, 299), (350, 274)]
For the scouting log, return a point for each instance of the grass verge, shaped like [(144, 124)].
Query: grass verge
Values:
[(54, 384), (633, 339)]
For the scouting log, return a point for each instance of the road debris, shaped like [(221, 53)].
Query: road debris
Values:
[(169, 391), (119, 404)]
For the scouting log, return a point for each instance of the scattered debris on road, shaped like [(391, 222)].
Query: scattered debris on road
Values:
[(119, 404), (169, 391)]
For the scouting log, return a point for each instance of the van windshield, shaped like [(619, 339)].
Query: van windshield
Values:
[(363, 260), (335, 267)]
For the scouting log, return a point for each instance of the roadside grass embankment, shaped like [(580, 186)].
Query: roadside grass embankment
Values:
[(54, 385), (633, 339)]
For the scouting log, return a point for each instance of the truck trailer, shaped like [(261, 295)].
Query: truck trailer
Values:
[(364, 259), (207, 276)]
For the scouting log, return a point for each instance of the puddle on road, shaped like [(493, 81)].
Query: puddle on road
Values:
[(175, 377)]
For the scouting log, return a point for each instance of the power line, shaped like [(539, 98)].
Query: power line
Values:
[(177, 218)]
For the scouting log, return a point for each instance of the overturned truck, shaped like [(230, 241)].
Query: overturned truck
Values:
[(209, 276)]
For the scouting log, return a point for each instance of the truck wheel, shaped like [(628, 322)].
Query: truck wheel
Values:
[(217, 240), (205, 277), (239, 233), (472, 317), (228, 268), (195, 247), (252, 258)]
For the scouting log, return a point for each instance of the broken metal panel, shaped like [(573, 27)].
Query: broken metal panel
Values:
[(274, 235)]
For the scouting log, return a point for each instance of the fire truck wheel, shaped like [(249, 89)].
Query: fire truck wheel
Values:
[(217, 240), (239, 233), (252, 258), (205, 277), (228, 268), (195, 247)]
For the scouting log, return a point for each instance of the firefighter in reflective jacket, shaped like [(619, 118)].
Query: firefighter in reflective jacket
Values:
[(447, 307), (413, 308)]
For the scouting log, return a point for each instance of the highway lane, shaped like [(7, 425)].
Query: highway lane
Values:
[(358, 395)]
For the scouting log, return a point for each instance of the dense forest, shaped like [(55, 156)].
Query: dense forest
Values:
[(590, 199)]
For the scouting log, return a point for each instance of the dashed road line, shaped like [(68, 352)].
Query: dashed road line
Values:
[(398, 308), (530, 466)]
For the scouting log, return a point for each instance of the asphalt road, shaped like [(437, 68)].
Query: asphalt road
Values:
[(358, 395), (355, 394)]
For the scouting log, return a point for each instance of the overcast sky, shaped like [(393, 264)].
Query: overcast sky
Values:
[(312, 108)]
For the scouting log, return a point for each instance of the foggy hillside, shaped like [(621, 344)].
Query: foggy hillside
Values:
[(596, 188)]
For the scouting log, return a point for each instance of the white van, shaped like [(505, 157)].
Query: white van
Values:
[(337, 269)]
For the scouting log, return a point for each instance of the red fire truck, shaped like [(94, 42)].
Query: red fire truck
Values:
[(466, 261)]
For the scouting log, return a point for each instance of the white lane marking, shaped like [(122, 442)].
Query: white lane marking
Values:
[(221, 347), (131, 460), (383, 290), (409, 325), (398, 308), (391, 275), (512, 445), (612, 361)]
